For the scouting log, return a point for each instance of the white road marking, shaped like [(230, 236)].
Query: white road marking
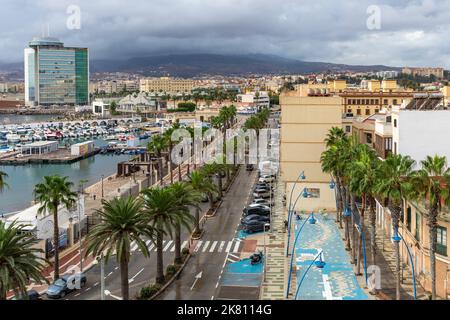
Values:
[(222, 244), (205, 247), (109, 274), (168, 245), (134, 247), (152, 246), (96, 284), (199, 244), (230, 243), (184, 244), (213, 246), (236, 247)]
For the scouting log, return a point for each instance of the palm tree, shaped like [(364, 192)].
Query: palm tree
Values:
[(51, 194), (186, 197), (19, 260), (394, 185), (432, 183), (121, 224), (170, 144), (158, 145), (365, 175), (164, 213), (335, 135), (211, 170), (203, 186)]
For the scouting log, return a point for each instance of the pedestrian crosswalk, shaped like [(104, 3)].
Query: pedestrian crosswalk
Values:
[(202, 247)]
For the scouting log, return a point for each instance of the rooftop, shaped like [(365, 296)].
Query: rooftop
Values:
[(39, 144)]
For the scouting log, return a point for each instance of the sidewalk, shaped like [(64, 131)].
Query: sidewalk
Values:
[(273, 287)]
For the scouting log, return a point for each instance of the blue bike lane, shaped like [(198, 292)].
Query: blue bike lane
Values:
[(336, 280)]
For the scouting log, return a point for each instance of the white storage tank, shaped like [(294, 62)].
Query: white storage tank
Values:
[(81, 149)]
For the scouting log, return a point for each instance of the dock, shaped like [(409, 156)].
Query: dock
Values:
[(61, 156)]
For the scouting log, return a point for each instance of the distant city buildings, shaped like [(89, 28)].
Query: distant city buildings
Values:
[(424, 72), (259, 99), (387, 74), (56, 75), (167, 84)]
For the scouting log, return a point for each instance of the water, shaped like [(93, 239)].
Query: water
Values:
[(22, 179), (19, 118)]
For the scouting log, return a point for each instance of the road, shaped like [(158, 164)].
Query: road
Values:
[(221, 228)]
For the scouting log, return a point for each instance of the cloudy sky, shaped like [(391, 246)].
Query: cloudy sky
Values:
[(411, 32)]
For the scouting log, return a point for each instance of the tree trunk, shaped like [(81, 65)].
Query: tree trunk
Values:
[(124, 279), (352, 205), (170, 164), (56, 242), (159, 259), (361, 238), (177, 259), (220, 186), (197, 221), (211, 200), (179, 173), (373, 229), (432, 225), (395, 214), (160, 170)]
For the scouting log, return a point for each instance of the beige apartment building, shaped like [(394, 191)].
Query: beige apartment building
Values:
[(305, 122), (424, 72), (166, 84)]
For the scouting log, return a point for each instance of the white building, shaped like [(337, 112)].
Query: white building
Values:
[(39, 147), (421, 128), (100, 108), (259, 99)]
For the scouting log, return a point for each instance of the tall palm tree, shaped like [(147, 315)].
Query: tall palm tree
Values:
[(186, 197), (211, 170), (19, 260), (394, 185), (164, 213), (365, 175), (54, 192), (432, 183), (203, 186), (158, 145), (170, 144), (335, 135), (121, 224)]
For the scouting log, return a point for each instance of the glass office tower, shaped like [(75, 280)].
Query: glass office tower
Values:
[(56, 75)]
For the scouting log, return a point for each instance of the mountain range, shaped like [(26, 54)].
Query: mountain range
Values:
[(190, 65)]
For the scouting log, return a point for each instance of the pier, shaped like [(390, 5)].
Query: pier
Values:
[(61, 156)]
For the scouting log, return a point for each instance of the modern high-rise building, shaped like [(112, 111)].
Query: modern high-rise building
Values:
[(56, 75)]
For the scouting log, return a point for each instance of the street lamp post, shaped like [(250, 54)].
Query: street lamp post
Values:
[(303, 194), (265, 251), (293, 252), (319, 264), (102, 276), (300, 177)]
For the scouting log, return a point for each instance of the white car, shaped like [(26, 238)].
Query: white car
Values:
[(267, 179), (262, 194)]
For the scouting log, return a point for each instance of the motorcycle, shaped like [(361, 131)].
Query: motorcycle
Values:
[(256, 258)]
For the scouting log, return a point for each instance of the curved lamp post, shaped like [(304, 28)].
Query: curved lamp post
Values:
[(300, 177), (319, 264), (397, 238), (292, 254), (303, 194)]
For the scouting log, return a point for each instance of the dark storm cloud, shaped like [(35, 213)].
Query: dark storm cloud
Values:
[(412, 32)]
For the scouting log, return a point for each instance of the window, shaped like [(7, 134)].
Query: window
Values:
[(395, 102), (368, 137), (367, 112), (395, 147), (358, 112), (386, 101), (347, 129), (377, 110), (395, 123), (441, 244), (408, 218)]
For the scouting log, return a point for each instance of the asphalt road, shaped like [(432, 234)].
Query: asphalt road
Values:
[(222, 227)]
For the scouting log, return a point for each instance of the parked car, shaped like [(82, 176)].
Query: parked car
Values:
[(254, 217), (262, 201), (59, 288), (267, 178), (30, 295), (259, 210), (255, 226), (263, 185), (262, 193)]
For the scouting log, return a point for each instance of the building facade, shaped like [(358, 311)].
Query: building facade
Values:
[(166, 84), (424, 72), (56, 75), (305, 122)]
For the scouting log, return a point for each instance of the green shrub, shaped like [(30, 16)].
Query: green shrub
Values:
[(185, 251), (147, 292), (171, 270)]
